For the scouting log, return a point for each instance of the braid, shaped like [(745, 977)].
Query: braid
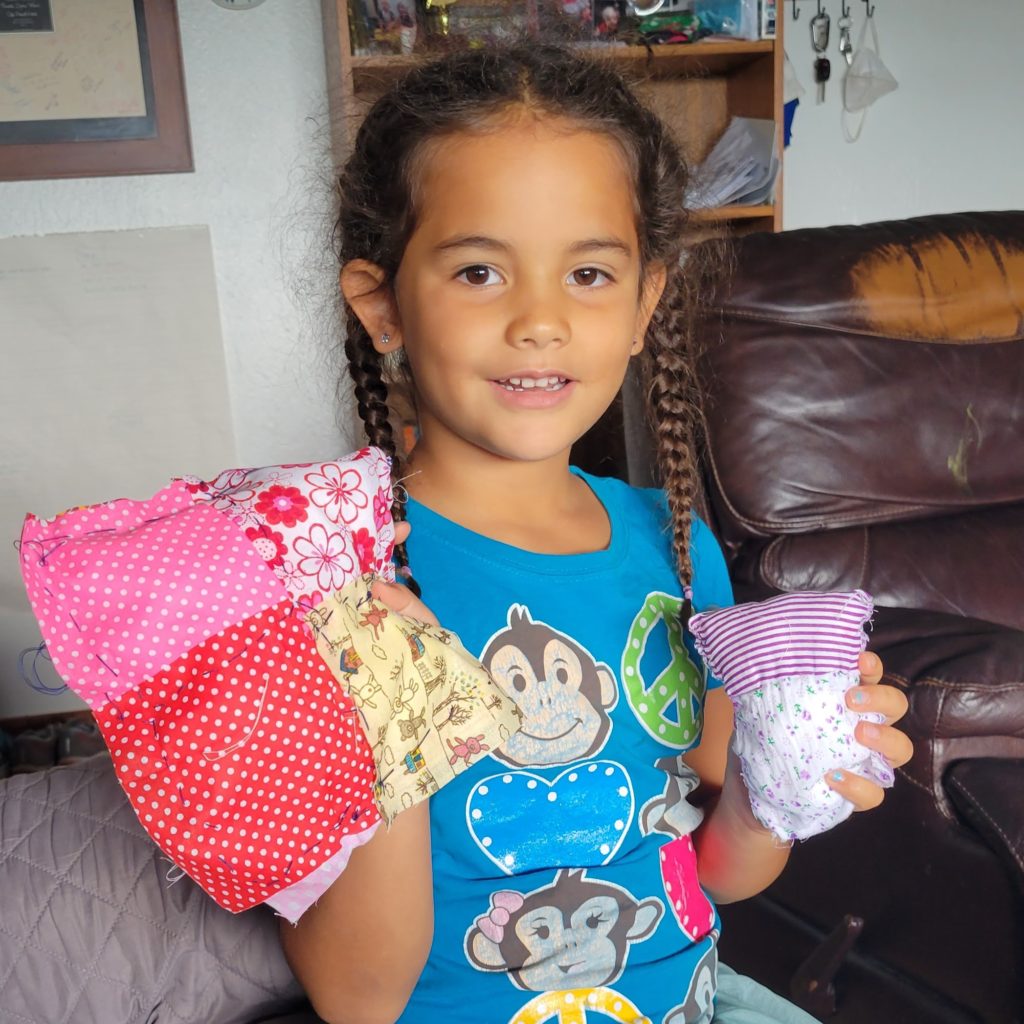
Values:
[(372, 403), (673, 403)]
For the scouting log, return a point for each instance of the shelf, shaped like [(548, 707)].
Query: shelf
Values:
[(722, 213), (696, 59)]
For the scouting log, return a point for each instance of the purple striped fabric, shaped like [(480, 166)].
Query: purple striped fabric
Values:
[(748, 645)]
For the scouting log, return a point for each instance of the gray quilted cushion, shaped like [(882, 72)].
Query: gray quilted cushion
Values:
[(92, 932)]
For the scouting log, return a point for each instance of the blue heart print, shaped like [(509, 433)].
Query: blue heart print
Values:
[(522, 821)]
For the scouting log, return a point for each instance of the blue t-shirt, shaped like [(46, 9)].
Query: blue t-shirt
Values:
[(564, 877)]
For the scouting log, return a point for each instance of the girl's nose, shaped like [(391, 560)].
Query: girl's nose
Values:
[(538, 320)]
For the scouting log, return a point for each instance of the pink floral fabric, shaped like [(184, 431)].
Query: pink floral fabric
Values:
[(318, 525)]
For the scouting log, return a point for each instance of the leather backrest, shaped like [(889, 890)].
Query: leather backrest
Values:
[(864, 376)]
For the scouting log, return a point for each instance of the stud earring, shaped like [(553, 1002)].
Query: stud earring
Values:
[(385, 339)]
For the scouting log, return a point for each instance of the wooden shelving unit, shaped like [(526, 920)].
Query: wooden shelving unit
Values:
[(696, 88)]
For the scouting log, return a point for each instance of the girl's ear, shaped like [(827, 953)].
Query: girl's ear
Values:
[(650, 294), (372, 299)]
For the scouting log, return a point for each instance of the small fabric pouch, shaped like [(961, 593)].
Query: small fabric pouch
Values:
[(786, 664)]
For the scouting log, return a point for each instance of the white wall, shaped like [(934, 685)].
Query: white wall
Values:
[(257, 105), (951, 138), (257, 97)]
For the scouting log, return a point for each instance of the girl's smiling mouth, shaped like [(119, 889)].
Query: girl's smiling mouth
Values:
[(546, 392), (553, 382)]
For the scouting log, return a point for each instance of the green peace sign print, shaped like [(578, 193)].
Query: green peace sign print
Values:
[(671, 706)]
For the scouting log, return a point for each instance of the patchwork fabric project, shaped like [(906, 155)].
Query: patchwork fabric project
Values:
[(786, 664), (429, 708), (181, 621)]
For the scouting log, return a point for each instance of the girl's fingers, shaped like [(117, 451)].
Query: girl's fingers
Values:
[(402, 600), (883, 700), (862, 793), (870, 666), (402, 532), (892, 744)]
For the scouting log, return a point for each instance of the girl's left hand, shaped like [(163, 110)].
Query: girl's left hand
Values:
[(892, 744)]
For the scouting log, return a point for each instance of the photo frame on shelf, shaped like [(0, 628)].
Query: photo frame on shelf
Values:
[(609, 18), (91, 89)]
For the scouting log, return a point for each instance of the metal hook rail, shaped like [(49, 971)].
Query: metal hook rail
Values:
[(845, 10)]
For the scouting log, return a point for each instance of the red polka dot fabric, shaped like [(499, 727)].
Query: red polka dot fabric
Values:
[(244, 760), (180, 620)]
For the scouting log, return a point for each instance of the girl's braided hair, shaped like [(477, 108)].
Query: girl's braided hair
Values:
[(468, 92)]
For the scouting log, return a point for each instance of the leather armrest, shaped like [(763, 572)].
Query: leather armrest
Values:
[(986, 792), (964, 679)]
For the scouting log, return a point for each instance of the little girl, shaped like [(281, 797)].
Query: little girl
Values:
[(510, 234)]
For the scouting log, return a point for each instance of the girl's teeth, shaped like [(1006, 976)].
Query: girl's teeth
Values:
[(529, 383)]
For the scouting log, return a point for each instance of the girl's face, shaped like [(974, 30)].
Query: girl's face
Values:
[(518, 299)]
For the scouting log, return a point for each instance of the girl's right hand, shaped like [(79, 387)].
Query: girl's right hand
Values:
[(398, 598), (402, 600)]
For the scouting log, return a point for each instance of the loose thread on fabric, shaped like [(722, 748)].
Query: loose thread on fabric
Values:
[(30, 675), (215, 755), (312, 847), (112, 671), (57, 542), (111, 700), (175, 873)]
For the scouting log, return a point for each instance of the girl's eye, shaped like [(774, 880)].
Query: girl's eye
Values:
[(586, 277), (478, 275)]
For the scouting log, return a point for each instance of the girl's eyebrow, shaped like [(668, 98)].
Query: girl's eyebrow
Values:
[(495, 244)]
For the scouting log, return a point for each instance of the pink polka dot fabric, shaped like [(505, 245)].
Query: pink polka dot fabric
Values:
[(180, 621), (122, 590)]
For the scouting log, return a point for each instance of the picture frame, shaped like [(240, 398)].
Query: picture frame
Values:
[(609, 18), (63, 116)]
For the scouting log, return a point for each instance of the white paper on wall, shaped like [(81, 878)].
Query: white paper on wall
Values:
[(112, 381)]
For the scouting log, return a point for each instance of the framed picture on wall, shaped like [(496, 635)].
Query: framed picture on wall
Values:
[(91, 88)]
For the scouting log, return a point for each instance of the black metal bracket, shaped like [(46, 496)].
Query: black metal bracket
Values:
[(812, 987)]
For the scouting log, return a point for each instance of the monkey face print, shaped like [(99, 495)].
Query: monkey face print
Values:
[(574, 933), (564, 695)]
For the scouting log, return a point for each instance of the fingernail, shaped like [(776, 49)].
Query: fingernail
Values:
[(859, 697), (870, 731), (873, 661), (838, 776)]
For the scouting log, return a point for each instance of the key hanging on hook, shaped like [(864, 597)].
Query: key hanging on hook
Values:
[(820, 25), (845, 24)]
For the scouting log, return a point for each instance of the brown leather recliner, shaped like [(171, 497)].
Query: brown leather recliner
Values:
[(866, 429)]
